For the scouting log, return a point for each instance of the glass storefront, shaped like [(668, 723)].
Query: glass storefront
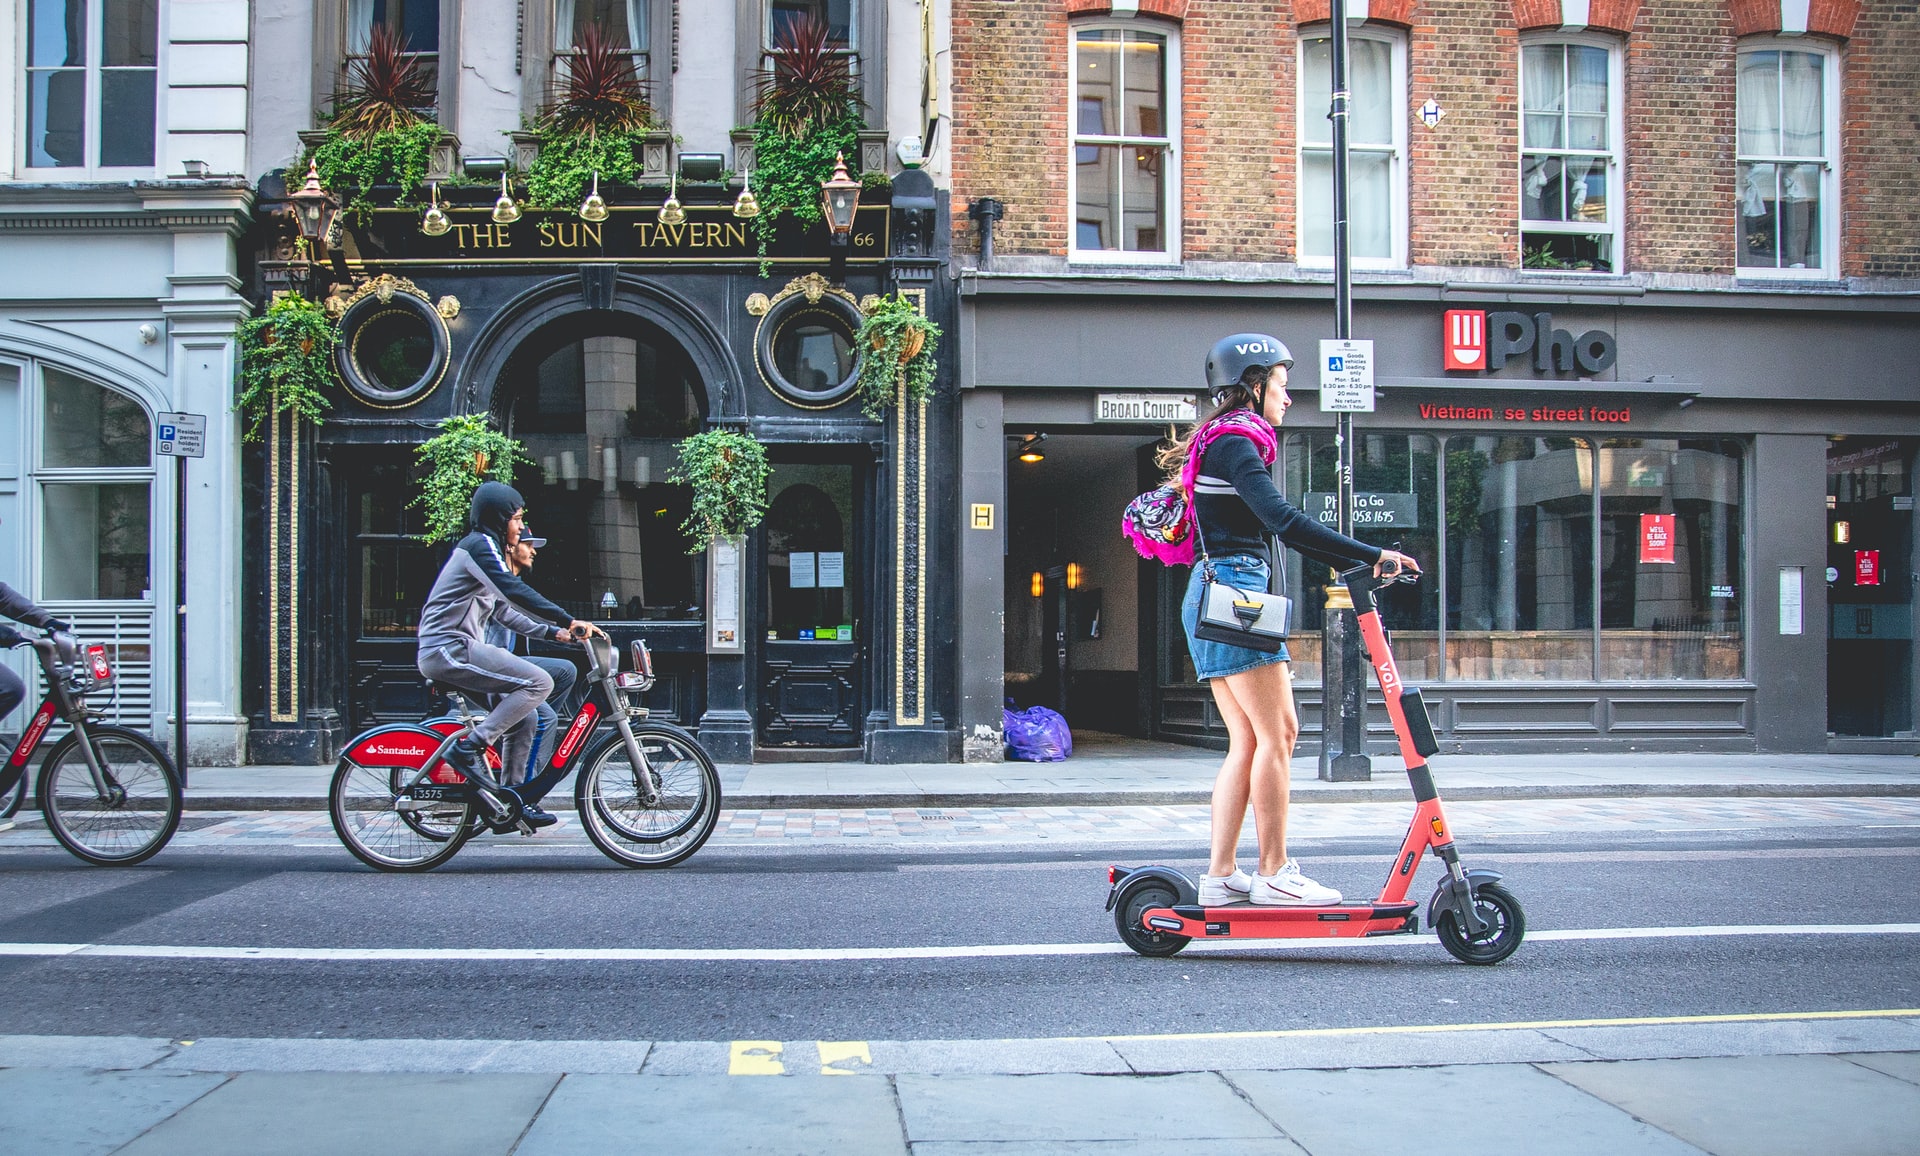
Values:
[(1555, 559)]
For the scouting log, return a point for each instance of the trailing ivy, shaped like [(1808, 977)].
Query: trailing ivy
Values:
[(896, 343), (349, 166), (787, 171), (286, 358), (466, 452), (563, 172), (728, 472)]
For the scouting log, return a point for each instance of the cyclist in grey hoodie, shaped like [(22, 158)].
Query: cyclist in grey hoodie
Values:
[(476, 587)]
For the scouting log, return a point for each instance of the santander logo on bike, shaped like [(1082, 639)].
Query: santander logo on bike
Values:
[(582, 723), (377, 749)]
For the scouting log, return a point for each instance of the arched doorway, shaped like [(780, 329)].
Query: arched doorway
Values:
[(810, 565)]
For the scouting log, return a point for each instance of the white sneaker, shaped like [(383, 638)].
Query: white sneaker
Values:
[(1219, 891), (1290, 888)]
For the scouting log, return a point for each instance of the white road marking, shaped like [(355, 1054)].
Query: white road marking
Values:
[(818, 954)]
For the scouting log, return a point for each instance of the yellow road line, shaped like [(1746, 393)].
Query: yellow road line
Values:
[(1517, 1026), (843, 1057)]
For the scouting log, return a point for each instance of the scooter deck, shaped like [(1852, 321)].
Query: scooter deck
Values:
[(1248, 921)]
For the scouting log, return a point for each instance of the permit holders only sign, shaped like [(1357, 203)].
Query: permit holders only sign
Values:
[(1346, 377), (180, 435), (1153, 407)]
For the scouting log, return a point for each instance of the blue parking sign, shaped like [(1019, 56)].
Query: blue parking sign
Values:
[(166, 433)]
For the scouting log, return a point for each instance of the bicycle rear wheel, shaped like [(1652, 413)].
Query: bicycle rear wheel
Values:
[(130, 820), (616, 815), (363, 803)]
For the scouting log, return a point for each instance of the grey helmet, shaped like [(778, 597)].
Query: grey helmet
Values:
[(1231, 357)]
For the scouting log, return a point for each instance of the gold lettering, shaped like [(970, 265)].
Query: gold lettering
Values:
[(736, 234), (713, 233), (696, 234), (590, 232), (641, 228), (546, 235), (460, 235)]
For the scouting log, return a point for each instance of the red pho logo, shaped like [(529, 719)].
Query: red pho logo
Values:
[(1466, 333)]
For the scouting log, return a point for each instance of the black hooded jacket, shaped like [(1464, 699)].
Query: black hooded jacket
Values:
[(475, 586)]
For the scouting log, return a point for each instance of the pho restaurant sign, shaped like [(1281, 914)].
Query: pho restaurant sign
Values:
[(1476, 340), (630, 234)]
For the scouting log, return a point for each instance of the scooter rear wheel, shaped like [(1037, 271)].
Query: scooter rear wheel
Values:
[(1129, 917), (1506, 925)]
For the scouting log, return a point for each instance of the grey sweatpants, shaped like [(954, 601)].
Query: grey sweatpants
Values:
[(517, 686)]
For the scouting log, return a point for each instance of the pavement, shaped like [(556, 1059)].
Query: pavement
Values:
[(1838, 1084), (1109, 771)]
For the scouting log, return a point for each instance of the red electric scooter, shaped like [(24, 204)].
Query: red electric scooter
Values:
[(1157, 908)]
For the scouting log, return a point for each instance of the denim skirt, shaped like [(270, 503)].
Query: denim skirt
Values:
[(1219, 659)]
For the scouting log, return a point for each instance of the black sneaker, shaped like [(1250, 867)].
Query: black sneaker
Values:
[(535, 817), (466, 756)]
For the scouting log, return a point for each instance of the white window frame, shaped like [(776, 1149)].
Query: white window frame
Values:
[(1615, 152), (1830, 190), (642, 57), (1315, 104), (23, 168), (40, 475), (1175, 223)]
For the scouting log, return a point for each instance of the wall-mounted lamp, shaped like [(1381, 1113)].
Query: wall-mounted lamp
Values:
[(435, 223), (840, 200), (313, 206), (1038, 585), (702, 166), (505, 212), (1074, 576), (1842, 533), (593, 208), (1029, 450), (671, 211), (746, 204)]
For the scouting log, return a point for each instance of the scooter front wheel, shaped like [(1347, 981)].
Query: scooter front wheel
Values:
[(1506, 925), (1129, 916)]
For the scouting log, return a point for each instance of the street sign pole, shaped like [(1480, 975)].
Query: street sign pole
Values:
[(1343, 674), (180, 436)]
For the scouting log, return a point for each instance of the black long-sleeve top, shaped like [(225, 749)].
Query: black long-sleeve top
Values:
[(20, 608), (1237, 505)]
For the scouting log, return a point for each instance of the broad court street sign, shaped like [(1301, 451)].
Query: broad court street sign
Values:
[(181, 435)]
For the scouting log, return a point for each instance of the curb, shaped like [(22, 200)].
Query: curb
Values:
[(1176, 797)]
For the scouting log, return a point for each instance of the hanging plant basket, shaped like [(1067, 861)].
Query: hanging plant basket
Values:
[(285, 376), (897, 361), (728, 473), (466, 452)]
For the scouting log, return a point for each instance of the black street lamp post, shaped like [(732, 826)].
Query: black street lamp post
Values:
[(1343, 671)]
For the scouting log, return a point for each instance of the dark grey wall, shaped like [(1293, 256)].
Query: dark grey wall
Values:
[(1132, 335), (981, 598), (1789, 526)]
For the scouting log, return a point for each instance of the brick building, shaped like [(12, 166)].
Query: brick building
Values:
[(1644, 282)]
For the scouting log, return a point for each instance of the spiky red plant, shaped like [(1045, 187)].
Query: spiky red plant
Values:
[(809, 82), (601, 90), (384, 90)]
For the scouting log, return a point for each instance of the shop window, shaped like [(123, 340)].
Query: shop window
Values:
[(1787, 101), (1519, 568), (601, 418), (809, 571), (1396, 504), (1123, 181), (86, 427), (1671, 581), (624, 23), (91, 83), (804, 350), (1377, 196), (1570, 203), (392, 353), (396, 569)]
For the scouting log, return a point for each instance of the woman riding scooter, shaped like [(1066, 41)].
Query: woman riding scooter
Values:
[(1235, 505)]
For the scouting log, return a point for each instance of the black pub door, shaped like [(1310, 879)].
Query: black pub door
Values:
[(811, 692), (389, 574)]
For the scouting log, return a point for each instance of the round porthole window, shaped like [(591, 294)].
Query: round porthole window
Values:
[(806, 353), (392, 352)]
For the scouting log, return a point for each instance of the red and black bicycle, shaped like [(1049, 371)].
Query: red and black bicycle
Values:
[(108, 794), (647, 793), (1157, 909)]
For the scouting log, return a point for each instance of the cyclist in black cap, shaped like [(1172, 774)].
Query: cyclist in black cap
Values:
[(476, 587)]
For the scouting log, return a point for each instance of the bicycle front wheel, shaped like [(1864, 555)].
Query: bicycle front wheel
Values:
[(128, 814), (364, 804), (614, 810)]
